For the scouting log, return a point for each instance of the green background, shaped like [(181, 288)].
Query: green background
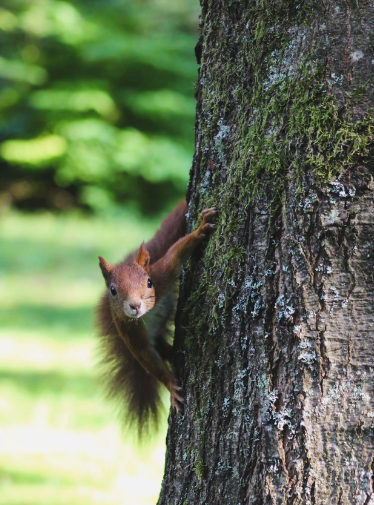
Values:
[(97, 102), (96, 141)]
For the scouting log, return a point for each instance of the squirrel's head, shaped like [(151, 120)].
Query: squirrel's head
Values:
[(130, 287)]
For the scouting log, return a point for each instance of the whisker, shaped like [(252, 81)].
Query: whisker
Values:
[(106, 333)]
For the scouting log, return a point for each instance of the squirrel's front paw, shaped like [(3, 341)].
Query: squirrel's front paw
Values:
[(176, 399), (207, 219)]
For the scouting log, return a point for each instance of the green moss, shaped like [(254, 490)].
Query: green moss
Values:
[(297, 128), (282, 117), (199, 469)]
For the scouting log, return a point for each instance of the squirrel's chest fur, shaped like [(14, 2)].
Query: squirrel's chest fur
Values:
[(156, 319)]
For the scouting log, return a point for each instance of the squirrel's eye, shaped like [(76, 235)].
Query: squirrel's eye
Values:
[(113, 290), (149, 283)]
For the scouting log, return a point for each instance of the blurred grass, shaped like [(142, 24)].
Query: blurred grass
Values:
[(60, 442)]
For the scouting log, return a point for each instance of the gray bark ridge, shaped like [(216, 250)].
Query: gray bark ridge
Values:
[(274, 340)]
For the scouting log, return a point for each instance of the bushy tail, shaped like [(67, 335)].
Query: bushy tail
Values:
[(134, 391)]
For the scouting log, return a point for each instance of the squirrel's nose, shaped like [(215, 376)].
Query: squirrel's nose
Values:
[(134, 306)]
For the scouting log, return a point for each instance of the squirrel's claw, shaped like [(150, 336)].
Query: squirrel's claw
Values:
[(208, 214), (179, 398), (207, 225), (176, 399), (208, 211), (178, 405)]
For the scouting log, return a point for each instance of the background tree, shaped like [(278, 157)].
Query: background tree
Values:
[(274, 337)]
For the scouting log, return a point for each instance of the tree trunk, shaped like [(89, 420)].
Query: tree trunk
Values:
[(275, 324)]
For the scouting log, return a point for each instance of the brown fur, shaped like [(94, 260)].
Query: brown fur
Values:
[(134, 355)]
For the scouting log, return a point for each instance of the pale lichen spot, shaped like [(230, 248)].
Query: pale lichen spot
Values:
[(357, 55)]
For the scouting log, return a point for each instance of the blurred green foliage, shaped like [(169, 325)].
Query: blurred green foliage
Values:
[(96, 102)]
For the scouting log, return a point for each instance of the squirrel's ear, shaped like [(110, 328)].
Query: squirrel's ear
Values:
[(106, 269), (143, 258)]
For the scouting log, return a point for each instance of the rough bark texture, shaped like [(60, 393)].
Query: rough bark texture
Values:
[(275, 327)]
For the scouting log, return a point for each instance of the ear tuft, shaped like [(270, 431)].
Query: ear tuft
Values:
[(143, 258), (106, 269)]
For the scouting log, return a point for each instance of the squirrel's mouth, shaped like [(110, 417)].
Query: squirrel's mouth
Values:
[(134, 312), (133, 309)]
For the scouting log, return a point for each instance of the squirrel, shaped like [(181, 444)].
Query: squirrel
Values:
[(134, 313)]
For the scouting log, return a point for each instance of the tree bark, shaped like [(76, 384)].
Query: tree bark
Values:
[(274, 341)]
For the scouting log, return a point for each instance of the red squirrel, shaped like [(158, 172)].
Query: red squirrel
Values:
[(134, 314)]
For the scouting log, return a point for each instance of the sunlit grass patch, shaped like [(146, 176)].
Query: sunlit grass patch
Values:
[(21, 350), (36, 289), (102, 470)]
